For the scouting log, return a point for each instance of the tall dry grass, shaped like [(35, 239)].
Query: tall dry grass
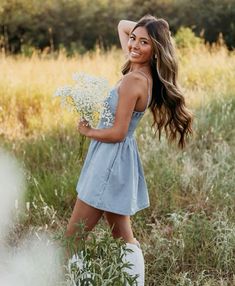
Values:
[(27, 84)]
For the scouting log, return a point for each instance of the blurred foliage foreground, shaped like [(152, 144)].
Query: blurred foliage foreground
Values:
[(188, 232)]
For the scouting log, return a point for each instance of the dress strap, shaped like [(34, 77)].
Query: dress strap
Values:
[(149, 91)]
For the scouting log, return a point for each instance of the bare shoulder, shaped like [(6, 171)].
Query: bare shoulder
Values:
[(134, 83)]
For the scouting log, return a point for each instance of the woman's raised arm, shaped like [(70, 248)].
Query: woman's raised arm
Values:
[(124, 29)]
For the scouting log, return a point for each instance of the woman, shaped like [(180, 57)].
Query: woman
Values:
[(112, 179)]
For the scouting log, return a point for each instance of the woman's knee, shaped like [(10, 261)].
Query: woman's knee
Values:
[(83, 219), (74, 228)]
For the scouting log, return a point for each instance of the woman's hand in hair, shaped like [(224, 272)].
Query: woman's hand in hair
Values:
[(124, 29)]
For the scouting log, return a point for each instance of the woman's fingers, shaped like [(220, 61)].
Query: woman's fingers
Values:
[(83, 122)]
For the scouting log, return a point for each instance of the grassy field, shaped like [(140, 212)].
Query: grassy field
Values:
[(188, 232)]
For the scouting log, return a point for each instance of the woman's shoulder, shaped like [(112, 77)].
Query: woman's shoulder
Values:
[(134, 77), (133, 83)]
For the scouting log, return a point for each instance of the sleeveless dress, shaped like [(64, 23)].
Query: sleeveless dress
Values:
[(112, 177)]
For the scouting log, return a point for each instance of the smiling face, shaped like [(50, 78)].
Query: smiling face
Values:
[(140, 46)]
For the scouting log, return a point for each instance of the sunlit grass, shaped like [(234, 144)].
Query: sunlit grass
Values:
[(27, 84), (187, 234)]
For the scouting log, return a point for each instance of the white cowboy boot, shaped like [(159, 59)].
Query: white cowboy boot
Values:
[(136, 258)]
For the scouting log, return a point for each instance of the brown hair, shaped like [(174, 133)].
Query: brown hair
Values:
[(167, 104)]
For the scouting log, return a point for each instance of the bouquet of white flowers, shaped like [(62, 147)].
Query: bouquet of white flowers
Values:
[(87, 97)]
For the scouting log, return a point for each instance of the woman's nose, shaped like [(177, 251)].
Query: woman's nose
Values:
[(135, 45)]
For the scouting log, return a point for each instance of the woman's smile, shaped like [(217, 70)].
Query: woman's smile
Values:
[(134, 54)]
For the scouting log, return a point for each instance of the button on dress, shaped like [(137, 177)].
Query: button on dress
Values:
[(112, 177)]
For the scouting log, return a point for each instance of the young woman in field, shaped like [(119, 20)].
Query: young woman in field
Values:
[(112, 179)]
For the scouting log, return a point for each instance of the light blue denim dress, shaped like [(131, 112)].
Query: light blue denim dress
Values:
[(112, 177)]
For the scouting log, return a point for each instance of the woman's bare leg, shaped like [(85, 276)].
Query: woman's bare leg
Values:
[(121, 226), (82, 213)]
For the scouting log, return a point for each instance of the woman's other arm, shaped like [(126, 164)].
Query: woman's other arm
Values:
[(124, 29), (129, 92)]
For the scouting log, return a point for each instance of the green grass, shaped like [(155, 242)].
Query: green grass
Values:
[(188, 232)]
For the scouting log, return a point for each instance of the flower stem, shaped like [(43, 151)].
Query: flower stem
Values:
[(81, 146)]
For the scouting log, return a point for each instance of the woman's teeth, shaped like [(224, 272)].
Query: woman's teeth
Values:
[(133, 54)]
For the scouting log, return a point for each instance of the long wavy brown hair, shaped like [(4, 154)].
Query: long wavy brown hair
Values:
[(167, 104)]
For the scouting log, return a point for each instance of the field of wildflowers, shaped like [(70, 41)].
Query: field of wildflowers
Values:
[(188, 232)]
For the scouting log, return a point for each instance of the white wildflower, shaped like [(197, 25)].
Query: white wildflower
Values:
[(27, 206)]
